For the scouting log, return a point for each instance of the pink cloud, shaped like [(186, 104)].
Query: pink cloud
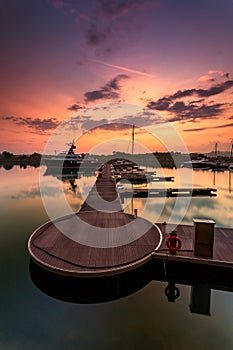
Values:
[(206, 78), (213, 75)]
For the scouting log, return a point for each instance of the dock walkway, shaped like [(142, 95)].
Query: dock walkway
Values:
[(53, 250), (222, 252)]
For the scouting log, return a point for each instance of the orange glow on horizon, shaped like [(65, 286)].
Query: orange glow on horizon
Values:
[(103, 141)]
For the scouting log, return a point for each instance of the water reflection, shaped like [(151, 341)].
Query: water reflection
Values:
[(230, 174), (144, 319), (69, 175), (202, 280), (219, 208), (89, 290)]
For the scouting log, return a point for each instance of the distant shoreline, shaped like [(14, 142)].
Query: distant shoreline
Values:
[(163, 159)]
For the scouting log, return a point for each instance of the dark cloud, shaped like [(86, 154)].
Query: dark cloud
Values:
[(191, 112), (113, 126), (187, 111), (99, 22), (102, 29), (39, 125), (75, 107), (95, 36), (223, 126), (108, 91), (115, 8), (93, 124), (217, 89), (100, 94), (194, 109), (197, 129), (161, 105), (197, 101), (85, 122), (164, 103), (214, 90), (141, 119), (211, 127)]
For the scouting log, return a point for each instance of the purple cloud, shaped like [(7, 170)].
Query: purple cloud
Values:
[(211, 127), (192, 110), (39, 125), (109, 91), (75, 107)]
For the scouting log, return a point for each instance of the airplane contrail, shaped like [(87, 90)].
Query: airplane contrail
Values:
[(123, 68)]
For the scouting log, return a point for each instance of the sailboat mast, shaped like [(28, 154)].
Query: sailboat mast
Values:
[(133, 139), (216, 150)]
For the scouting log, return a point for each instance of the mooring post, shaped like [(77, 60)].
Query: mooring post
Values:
[(164, 227)]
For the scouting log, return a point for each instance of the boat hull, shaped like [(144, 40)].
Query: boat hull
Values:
[(67, 164)]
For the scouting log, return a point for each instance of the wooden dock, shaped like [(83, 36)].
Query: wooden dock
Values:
[(163, 179), (53, 250), (222, 252), (50, 248), (168, 192)]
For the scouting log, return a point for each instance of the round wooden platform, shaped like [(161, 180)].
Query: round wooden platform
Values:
[(54, 251)]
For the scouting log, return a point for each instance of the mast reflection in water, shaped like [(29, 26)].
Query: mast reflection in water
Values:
[(143, 319)]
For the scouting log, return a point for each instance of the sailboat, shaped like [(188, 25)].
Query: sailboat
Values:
[(217, 164), (231, 165), (128, 170)]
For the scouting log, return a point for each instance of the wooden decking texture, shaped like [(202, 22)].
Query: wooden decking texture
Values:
[(102, 209), (222, 252), (49, 243), (103, 195)]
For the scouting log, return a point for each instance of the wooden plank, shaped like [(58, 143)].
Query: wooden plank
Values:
[(223, 248)]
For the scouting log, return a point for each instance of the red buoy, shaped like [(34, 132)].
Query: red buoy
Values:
[(173, 242)]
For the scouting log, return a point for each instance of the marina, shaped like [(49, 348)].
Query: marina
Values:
[(116, 175), (54, 251), (194, 296)]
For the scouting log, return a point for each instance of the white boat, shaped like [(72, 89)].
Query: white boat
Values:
[(230, 167), (69, 159), (201, 164)]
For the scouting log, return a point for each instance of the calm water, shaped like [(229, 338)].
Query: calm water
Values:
[(31, 319)]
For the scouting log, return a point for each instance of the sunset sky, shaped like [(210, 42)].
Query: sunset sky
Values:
[(172, 58)]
